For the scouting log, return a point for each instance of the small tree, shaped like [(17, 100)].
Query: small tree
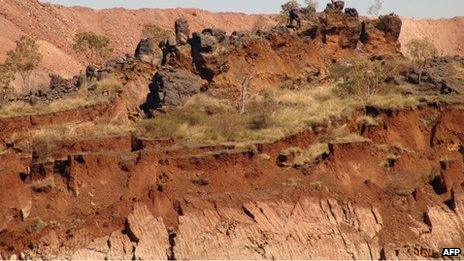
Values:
[(421, 52), (25, 58), (95, 47), (360, 78), (156, 32)]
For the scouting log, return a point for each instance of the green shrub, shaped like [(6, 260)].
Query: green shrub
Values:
[(95, 47), (25, 58), (359, 78)]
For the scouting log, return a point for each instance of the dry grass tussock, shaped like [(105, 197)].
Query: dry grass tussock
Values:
[(48, 139), (309, 155), (270, 116)]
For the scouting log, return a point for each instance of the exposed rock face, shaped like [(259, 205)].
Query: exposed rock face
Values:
[(208, 63), (309, 228), (219, 58), (148, 51), (172, 87), (306, 229), (391, 24), (182, 30), (150, 234), (344, 29)]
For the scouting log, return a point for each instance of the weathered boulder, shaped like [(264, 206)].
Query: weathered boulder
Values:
[(390, 24), (90, 71), (172, 87), (182, 31), (339, 5), (207, 60), (148, 51), (170, 51), (217, 33), (203, 43), (351, 12), (335, 6)]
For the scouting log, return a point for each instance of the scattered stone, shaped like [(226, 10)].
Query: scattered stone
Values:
[(265, 156), (217, 33)]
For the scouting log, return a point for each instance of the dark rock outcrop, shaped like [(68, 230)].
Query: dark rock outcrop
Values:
[(351, 12), (335, 6), (218, 34), (148, 51), (170, 51), (390, 24), (172, 87), (294, 18), (182, 29), (208, 63)]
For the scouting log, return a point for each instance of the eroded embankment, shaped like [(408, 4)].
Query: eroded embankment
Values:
[(397, 194)]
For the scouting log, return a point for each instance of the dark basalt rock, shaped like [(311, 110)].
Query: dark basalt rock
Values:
[(172, 87), (182, 29), (351, 12), (148, 51), (390, 24), (294, 18), (217, 33)]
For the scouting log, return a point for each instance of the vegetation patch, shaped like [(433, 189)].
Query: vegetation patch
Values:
[(94, 47), (296, 157)]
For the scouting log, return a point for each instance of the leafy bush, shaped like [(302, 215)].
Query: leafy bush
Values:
[(25, 58), (421, 52), (95, 47), (360, 78)]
